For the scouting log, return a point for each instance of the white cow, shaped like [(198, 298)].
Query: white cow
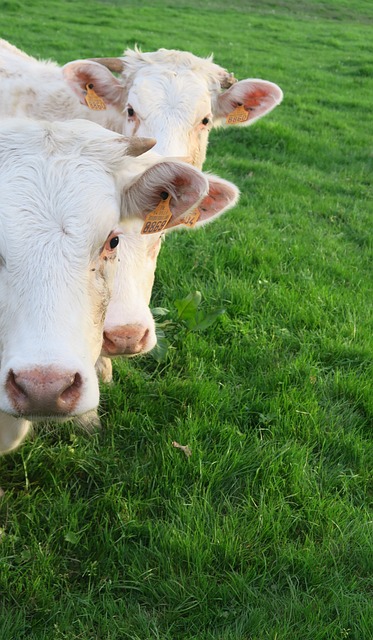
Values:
[(64, 188), (174, 97)]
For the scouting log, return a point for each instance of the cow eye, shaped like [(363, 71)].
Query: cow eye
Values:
[(114, 242), (111, 243), (205, 120), (130, 112)]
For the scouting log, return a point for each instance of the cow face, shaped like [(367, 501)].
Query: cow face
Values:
[(177, 105), (58, 245), (179, 109), (129, 325)]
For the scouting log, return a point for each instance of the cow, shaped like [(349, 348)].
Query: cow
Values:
[(174, 97), (65, 187)]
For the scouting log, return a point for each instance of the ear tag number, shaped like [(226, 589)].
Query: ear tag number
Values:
[(191, 219), (239, 114), (158, 219), (94, 101)]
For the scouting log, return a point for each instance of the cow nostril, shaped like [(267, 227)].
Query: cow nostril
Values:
[(72, 391), (144, 339), (15, 387), (108, 344)]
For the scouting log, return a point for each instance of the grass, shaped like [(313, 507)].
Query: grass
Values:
[(265, 532)]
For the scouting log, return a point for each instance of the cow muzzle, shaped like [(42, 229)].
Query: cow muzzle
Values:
[(47, 391), (128, 340)]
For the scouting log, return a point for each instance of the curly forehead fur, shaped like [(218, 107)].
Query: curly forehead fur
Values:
[(76, 138), (173, 60)]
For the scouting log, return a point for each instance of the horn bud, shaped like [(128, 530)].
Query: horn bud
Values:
[(113, 64), (137, 146), (227, 80)]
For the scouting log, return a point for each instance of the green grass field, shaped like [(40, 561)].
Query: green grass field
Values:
[(265, 532)]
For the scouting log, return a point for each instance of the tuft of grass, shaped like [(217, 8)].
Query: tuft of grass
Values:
[(265, 531)]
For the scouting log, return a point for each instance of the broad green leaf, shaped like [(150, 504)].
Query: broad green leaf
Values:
[(160, 351), (71, 537), (24, 556), (187, 307), (205, 320), (158, 312)]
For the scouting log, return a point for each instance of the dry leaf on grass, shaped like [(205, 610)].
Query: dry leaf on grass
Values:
[(185, 448)]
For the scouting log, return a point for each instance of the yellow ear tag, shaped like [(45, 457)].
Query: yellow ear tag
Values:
[(157, 220), (238, 115), (94, 101), (191, 219)]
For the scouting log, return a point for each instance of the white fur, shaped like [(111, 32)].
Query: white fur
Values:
[(40, 89), (171, 92)]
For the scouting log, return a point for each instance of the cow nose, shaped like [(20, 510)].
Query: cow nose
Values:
[(128, 340), (44, 392)]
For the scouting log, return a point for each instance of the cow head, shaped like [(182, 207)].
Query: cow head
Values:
[(177, 98)]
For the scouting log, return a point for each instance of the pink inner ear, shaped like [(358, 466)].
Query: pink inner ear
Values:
[(257, 96), (222, 195), (80, 73), (210, 205), (185, 184), (258, 102)]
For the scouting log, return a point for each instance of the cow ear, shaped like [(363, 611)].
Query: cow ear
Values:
[(222, 195), (169, 186), (82, 73), (247, 101)]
